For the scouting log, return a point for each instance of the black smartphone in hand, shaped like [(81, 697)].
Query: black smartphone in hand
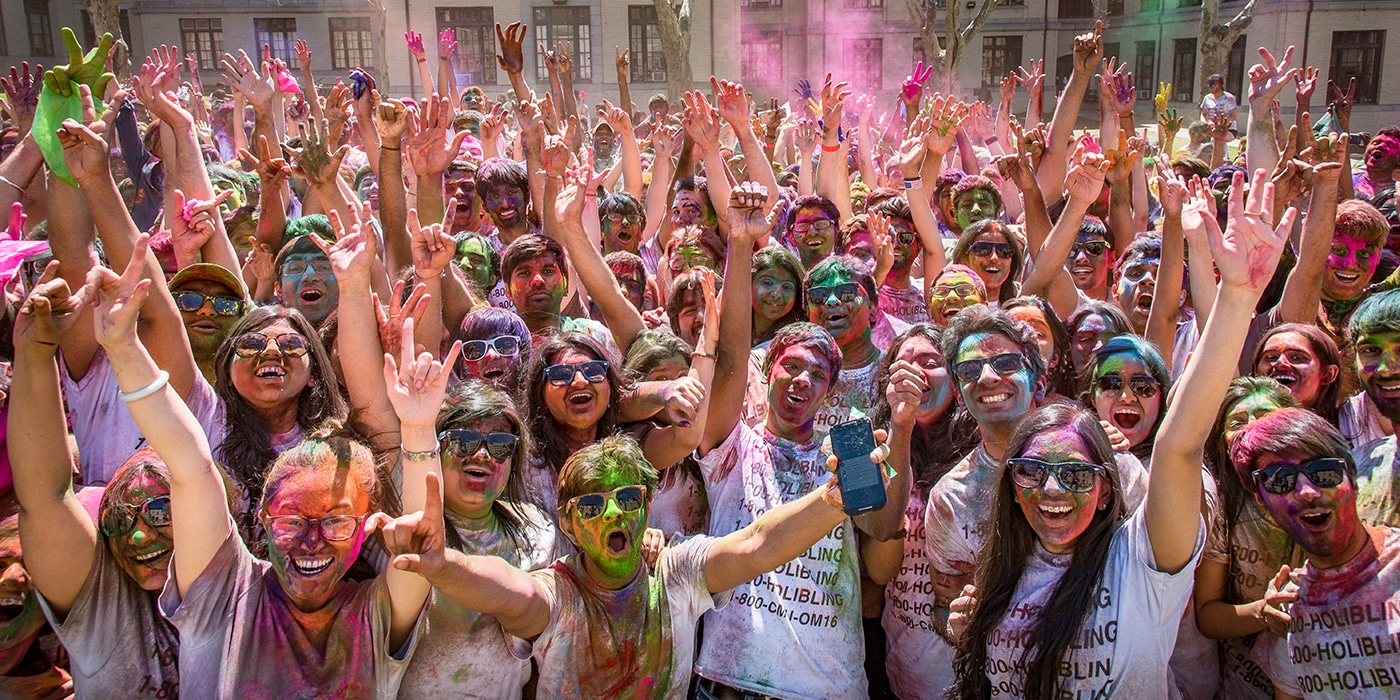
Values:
[(862, 484)]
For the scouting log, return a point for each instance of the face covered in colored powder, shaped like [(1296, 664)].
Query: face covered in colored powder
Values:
[(798, 382), (1057, 515), (938, 397), (368, 191), (537, 286), (669, 369), (1245, 411), (1043, 334), (1378, 368), (611, 540), (270, 378), (994, 399), (774, 292), (506, 206), (1092, 332), (815, 234), (1289, 359), (975, 205), (492, 360), (1322, 520), (20, 614), (305, 283), (1089, 269), (475, 262), (990, 256), (1350, 266), (906, 243), (952, 292), (841, 306), (1382, 154), (859, 245), (464, 217), (622, 228), (205, 327), (580, 404), (471, 482), (691, 318), (141, 549), (1135, 286), (311, 567), (687, 209), (633, 284), (1128, 397)]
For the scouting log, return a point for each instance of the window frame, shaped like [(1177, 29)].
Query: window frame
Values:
[(1184, 71), (190, 34), (581, 34), (280, 34), (1008, 54), (474, 61), (644, 32), (1368, 82), (340, 55), (41, 41)]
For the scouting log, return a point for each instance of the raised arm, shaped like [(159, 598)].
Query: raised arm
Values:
[(621, 124), (1245, 256), (512, 57), (1303, 290), (447, 76), (430, 150), (732, 104), (832, 178), (1088, 49), (669, 444), (1266, 81), (1166, 295), (1082, 186)]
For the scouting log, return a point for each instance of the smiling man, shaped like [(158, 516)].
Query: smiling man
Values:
[(812, 229), (1091, 260), (1374, 332), (304, 278), (1381, 158), (504, 188), (211, 301)]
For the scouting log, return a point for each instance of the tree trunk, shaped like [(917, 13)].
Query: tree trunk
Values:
[(673, 18), (1216, 39), (105, 19)]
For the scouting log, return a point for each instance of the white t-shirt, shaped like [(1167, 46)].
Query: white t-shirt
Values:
[(1359, 421), (1346, 627), (794, 632), (106, 433), (1124, 644), (917, 659), (854, 389), (637, 642), (907, 305), (463, 653), (1377, 493)]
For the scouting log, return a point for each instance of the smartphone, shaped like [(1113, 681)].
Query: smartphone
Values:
[(862, 484), (32, 269)]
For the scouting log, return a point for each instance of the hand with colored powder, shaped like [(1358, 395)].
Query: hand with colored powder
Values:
[(1164, 91), (22, 90), (913, 89)]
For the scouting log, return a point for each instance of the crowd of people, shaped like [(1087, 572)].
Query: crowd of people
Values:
[(312, 392)]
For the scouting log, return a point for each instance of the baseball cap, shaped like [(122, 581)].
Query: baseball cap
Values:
[(209, 272)]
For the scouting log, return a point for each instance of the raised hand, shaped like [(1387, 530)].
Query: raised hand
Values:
[(1008, 88), (622, 61), (22, 94), (1171, 191), (117, 300), (85, 148), (1088, 49), (833, 105), (1121, 159), (50, 311), (416, 385), (193, 224), (431, 245), (430, 150), (337, 110), (913, 89), (1034, 79), (946, 114), (447, 43), (1248, 250), (417, 542), (257, 87), (701, 121), (666, 140), (391, 121), (1119, 83), (747, 220), (352, 254), (512, 56), (1220, 127), (415, 45), (1304, 82), (881, 241), (1164, 91), (82, 69), (1086, 174), (806, 140), (1339, 103), (565, 51), (618, 119), (391, 321), (1267, 80), (271, 170), (732, 102), (314, 161)]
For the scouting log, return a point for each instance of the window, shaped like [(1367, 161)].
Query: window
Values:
[(1358, 55), (1151, 5), (760, 4), (204, 38), (36, 16), (1145, 69), (1000, 56), (351, 45), (761, 56), (1184, 70), (648, 59), (865, 60), (1234, 67), (475, 59), (556, 24), (1115, 7), (280, 34), (1076, 9), (862, 3)]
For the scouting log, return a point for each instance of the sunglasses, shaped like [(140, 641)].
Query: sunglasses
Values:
[(962, 290), (984, 249), (592, 505), (194, 301), (462, 444), (119, 519), (1142, 386), (1076, 477), (1093, 249), (819, 224), (1323, 472), (335, 528), (1004, 364), (595, 371), (254, 344), (905, 237), (633, 219), (504, 345), (845, 293)]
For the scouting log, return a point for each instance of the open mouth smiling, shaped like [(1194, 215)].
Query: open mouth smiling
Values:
[(311, 567)]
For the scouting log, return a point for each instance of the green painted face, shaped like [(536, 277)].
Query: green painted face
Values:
[(475, 261), (974, 206), (612, 541)]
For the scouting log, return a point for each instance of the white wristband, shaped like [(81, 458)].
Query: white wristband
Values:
[(143, 392)]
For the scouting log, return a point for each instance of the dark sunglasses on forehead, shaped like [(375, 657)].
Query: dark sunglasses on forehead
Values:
[(1093, 249), (1281, 479), (1143, 386), (845, 293), (984, 249), (630, 499), (120, 518), (1004, 364), (254, 344), (1077, 477), (595, 371), (462, 444), (504, 345), (194, 301)]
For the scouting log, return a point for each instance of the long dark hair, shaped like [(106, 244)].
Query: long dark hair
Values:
[(1011, 544), (1233, 495), (962, 253), (651, 348), (1146, 353), (247, 451), (777, 257), (1059, 379), (1329, 397), (464, 406), (550, 446), (933, 450)]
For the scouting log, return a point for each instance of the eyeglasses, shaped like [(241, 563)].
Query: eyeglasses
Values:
[(1134, 273), (120, 518), (962, 290), (592, 505), (334, 528), (1142, 386), (629, 218), (1003, 365), (1323, 472), (1077, 477), (984, 249), (905, 237), (595, 371), (462, 444), (819, 224), (194, 301), (845, 293), (254, 344), (504, 345), (1091, 248), (298, 266)]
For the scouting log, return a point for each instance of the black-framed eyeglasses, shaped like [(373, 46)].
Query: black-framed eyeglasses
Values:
[(1142, 386), (984, 249), (1092, 249), (1031, 473), (462, 444), (120, 518), (254, 344), (845, 293), (504, 345), (194, 301), (1281, 479), (595, 371), (332, 528), (633, 219), (1003, 364), (819, 224), (592, 505), (962, 290)]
